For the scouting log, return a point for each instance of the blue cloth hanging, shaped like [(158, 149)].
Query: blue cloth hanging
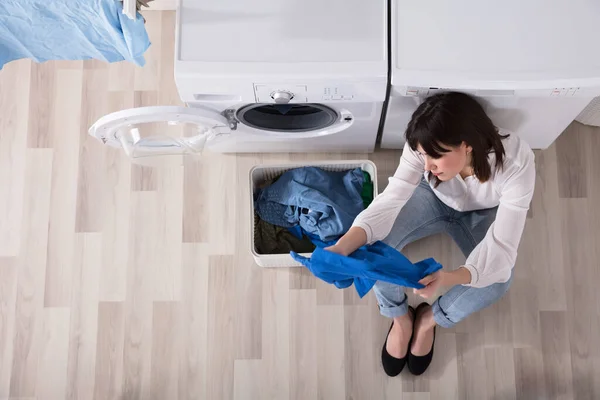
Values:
[(322, 202), (45, 30), (368, 264)]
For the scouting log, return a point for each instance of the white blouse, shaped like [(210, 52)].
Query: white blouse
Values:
[(510, 188)]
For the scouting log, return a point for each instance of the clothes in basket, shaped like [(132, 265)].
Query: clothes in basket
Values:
[(273, 239), (322, 202), (368, 264), (367, 189)]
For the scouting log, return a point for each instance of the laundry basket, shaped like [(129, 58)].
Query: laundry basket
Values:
[(262, 173)]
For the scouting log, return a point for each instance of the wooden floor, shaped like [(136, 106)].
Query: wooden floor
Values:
[(127, 282)]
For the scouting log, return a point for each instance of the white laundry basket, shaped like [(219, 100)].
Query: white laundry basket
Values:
[(262, 173)]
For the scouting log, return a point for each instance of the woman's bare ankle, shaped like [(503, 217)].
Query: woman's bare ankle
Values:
[(405, 320), (425, 319)]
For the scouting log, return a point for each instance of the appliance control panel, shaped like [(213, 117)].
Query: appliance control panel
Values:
[(279, 93), (422, 92), (338, 93), (564, 92), (304, 93)]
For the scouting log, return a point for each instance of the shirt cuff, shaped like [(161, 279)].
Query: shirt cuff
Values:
[(474, 274)]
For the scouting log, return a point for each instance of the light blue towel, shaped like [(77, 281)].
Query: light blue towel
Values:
[(45, 30)]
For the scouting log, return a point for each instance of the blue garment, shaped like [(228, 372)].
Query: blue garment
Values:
[(368, 264), (45, 30), (298, 232), (321, 202)]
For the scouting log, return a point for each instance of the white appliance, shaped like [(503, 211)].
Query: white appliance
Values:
[(265, 76), (534, 65)]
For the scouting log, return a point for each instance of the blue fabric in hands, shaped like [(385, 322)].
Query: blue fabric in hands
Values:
[(368, 264), (45, 30), (322, 202)]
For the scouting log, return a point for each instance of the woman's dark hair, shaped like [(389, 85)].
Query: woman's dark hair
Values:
[(450, 119)]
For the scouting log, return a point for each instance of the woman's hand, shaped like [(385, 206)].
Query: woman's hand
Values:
[(441, 279), (432, 283)]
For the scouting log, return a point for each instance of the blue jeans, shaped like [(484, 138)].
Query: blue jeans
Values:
[(424, 215)]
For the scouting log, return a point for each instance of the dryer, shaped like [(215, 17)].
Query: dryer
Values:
[(266, 76), (532, 65)]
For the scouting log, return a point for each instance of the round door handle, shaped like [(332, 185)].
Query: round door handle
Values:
[(282, 97)]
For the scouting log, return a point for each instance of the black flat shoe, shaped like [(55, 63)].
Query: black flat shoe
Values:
[(419, 364), (392, 365)]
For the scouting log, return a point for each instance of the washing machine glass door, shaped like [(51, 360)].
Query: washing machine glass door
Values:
[(293, 121), (160, 130)]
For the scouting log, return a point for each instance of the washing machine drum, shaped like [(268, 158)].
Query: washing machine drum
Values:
[(287, 117)]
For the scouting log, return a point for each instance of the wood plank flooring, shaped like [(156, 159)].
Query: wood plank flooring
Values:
[(120, 281)]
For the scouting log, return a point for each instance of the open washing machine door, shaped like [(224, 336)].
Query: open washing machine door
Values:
[(171, 130), (160, 130)]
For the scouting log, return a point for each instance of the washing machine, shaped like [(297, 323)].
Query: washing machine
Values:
[(265, 76), (532, 66)]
